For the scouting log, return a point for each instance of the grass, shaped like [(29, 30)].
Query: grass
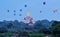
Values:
[(9, 34), (38, 35)]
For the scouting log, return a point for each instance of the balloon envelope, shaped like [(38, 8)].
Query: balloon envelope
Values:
[(14, 14), (14, 11), (55, 10), (44, 3), (20, 14), (7, 10), (20, 9), (40, 11), (25, 5)]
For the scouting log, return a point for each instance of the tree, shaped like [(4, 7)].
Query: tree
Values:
[(3, 30), (40, 28), (23, 34), (56, 28), (37, 26), (9, 25)]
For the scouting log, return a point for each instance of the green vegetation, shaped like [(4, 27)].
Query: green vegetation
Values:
[(38, 35), (38, 30), (56, 29)]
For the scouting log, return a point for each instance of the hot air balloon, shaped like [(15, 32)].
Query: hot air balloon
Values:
[(55, 10), (20, 9), (40, 11), (7, 10), (14, 14), (44, 3), (25, 5), (20, 14), (14, 11)]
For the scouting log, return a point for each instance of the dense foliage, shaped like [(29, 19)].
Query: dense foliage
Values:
[(39, 29)]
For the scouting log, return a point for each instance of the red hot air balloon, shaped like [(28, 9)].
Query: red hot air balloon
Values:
[(55, 10)]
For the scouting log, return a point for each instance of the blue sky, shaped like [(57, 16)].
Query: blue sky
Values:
[(33, 6)]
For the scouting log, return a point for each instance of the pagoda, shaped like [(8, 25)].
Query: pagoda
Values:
[(28, 19)]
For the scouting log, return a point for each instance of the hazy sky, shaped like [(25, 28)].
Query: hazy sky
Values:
[(33, 6)]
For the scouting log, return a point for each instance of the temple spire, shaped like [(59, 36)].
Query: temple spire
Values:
[(28, 14)]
